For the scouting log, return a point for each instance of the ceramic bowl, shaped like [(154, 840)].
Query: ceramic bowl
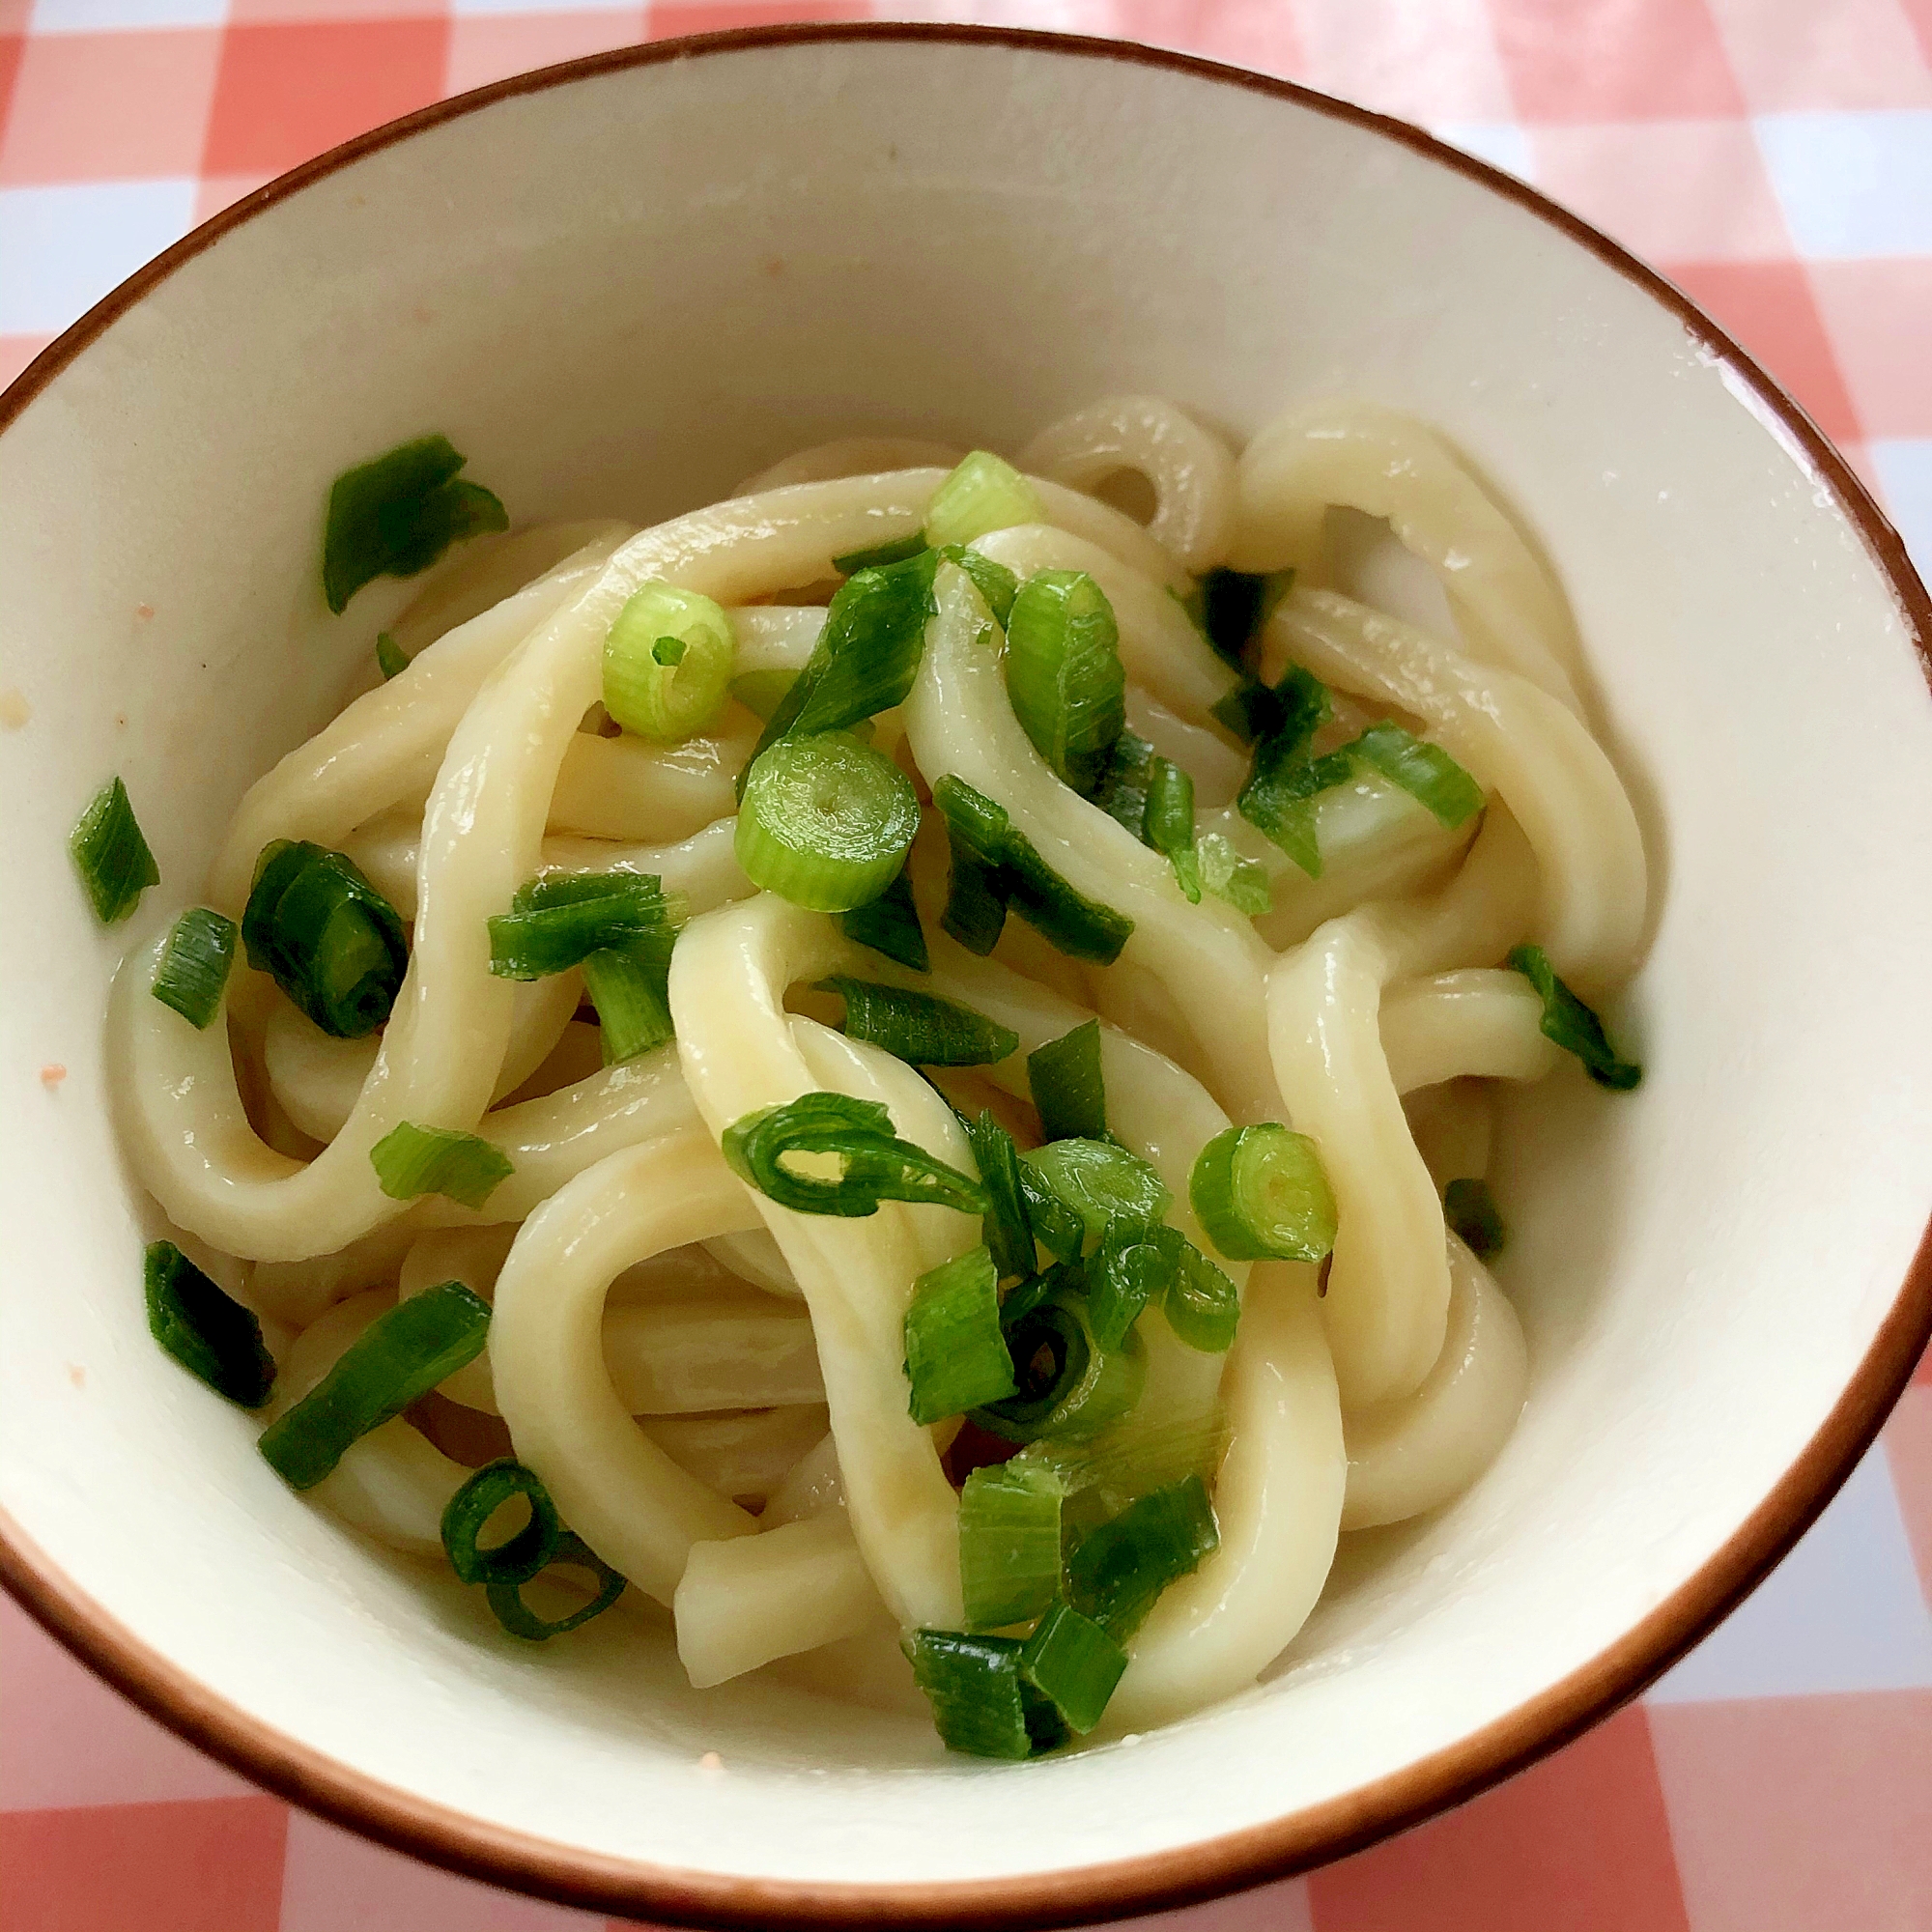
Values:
[(619, 287)]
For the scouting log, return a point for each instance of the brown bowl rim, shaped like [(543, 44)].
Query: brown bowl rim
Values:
[(1162, 1880)]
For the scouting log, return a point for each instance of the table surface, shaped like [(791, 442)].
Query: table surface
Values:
[(1773, 158)]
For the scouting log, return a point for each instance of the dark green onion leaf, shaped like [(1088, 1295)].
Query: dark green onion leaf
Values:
[(328, 939), (1008, 1544), (411, 1161), (1069, 1092), (1170, 824), (1124, 787), (921, 1029), (1470, 1209), (1063, 673), (208, 1332), (392, 660), (1250, 711), (890, 924), (877, 1166), (1202, 1305), (1100, 1181), (826, 822), (1280, 793), (1241, 882), (558, 919), (1260, 1194), (1117, 1573), (1234, 606), (115, 865), (1294, 709), (506, 1600), (1006, 1227), (984, 494), (1425, 770), (1134, 1264), (880, 555), (994, 582), (517, 1559), (1068, 1386), (396, 1361), (1071, 1661), (396, 515), (973, 1684), (1057, 1226), (194, 965), (955, 1357), (1572, 1025), (628, 989)]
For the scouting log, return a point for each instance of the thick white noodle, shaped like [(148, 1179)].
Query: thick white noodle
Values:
[(1474, 1021), (630, 788), (745, 1454), (1217, 768), (851, 456)]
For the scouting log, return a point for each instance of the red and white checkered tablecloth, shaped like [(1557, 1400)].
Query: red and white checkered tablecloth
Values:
[(1773, 158)]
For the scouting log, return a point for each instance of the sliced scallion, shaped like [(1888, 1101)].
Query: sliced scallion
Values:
[(1425, 770), (973, 1684), (194, 965), (506, 1600), (825, 822), (1054, 1224), (1115, 1573), (1071, 1661), (115, 865), (890, 924), (921, 1029), (1008, 1544), (392, 660), (396, 515), (1280, 793), (1572, 1025), (1202, 1305), (955, 1357), (880, 555), (1135, 1264), (762, 692), (1241, 882), (1471, 1211), (519, 1557), (1099, 1181), (1291, 709), (326, 937), (1069, 1385), (1260, 1194), (1007, 1227), (984, 493), (667, 663), (1063, 673), (412, 1162), (1124, 787), (208, 1332), (875, 1165), (994, 582), (1170, 824), (558, 919), (1069, 1092), (1234, 606), (628, 990)]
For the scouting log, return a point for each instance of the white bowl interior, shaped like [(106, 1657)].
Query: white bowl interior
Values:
[(621, 294)]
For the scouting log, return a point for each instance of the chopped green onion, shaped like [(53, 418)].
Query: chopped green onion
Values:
[(411, 1161), (1202, 1305), (1124, 787), (396, 1361), (1115, 1573), (973, 1684), (1170, 824), (392, 660), (1063, 673), (1007, 1227), (876, 1165), (667, 663), (1056, 1225), (994, 582), (1102, 1476), (395, 515), (890, 924), (208, 1332), (558, 919), (955, 1357), (826, 822), (194, 965), (1134, 1264), (1241, 882), (1234, 606), (520, 1557), (1425, 770), (984, 493), (1008, 1544), (328, 939), (1068, 1385), (1292, 708), (1471, 1211), (115, 865), (876, 558), (1069, 1092), (921, 1029), (1250, 711), (1572, 1025), (763, 692), (1071, 1661), (506, 1600), (1260, 1194), (633, 1006), (1100, 1181), (1280, 793)]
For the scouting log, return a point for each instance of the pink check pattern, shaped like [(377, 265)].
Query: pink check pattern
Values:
[(1773, 158)]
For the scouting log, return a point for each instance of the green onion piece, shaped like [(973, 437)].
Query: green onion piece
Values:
[(890, 924), (1067, 1091), (1471, 1210), (1260, 1194), (194, 965), (115, 865), (983, 495), (1006, 1227), (1101, 1477), (411, 1161), (1241, 882), (881, 555), (921, 1029), (1055, 1225), (1425, 770), (633, 1006), (1280, 793), (994, 582), (1572, 1025), (1100, 1181), (328, 939), (1250, 711), (506, 1600), (826, 822), (973, 1684), (1170, 824), (208, 1332), (395, 515), (762, 692), (396, 1361), (1008, 1544), (876, 1165), (1063, 673), (392, 660), (667, 663), (517, 1559), (1234, 606), (1115, 1573), (1293, 709), (1134, 1264), (1071, 1660), (955, 1357), (1123, 790), (558, 919), (1202, 1305), (1068, 1385)]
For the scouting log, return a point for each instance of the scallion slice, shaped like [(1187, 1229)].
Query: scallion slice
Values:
[(1572, 1025), (826, 822), (396, 515), (921, 1029), (1055, 1225), (876, 1166), (1063, 673), (1241, 882), (667, 663), (1115, 1573), (1280, 793), (208, 1332), (973, 1684), (1069, 1092), (1008, 1544), (558, 919), (955, 1357), (1100, 1181), (880, 555), (1069, 1385), (1007, 1230), (1291, 709), (1135, 1264), (984, 493), (890, 924), (396, 1361), (628, 990), (1471, 1211), (1170, 824), (763, 692), (115, 865), (994, 582), (392, 660), (519, 1557), (411, 1161), (1425, 770), (1124, 787), (506, 1600), (1072, 1662), (193, 968), (1202, 1305), (1234, 606), (1260, 1194), (328, 939)]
